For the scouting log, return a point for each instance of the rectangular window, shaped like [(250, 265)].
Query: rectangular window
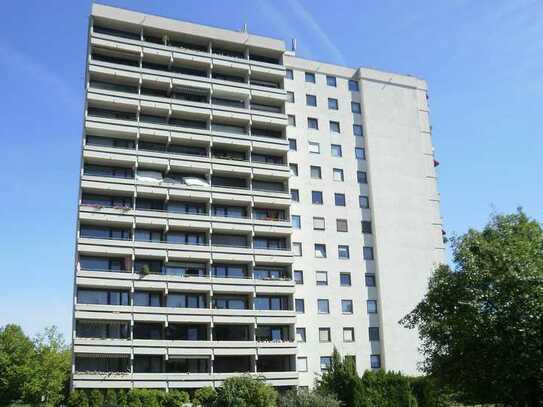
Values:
[(373, 333), (336, 150), (290, 97), (301, 364), (372, 306), (316, 172), (321, 277), (296, 249), (348, 334), (291, 120), (318, 223), (310, 77), (366, 227), (347, 306), (296, 222), (334, 127), (316, 197), (364, 201), (320, 250), (353, 85), (339, 199), (342, 225), (357, 130), (345, 279), (298, 276), (343, 252), (289, 74), (368, 252), (311, 100), (360, 153), (362, 177), (375, 361), (331, 81), (292, 144), (295, 195), (293, 169), (299, 305), (324, 335), (300, 334), (312, 123), (355, 107), (314, 148), (338, 174), (370, 280), (323, 306), (332, 104), (326, 361)]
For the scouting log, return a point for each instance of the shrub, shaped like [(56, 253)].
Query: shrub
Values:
[(96, 398), (110, 398), (304, 398), (78, 398), (204, 396), (245, 391), (175, 398)]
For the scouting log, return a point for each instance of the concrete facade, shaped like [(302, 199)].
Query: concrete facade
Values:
[(188, 263)]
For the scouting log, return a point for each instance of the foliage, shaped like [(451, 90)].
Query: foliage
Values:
[(245, 391), (78, 398), (481, 324), (385, 389), (340, 379), (110, 398), (204, 396), (96, 398), (175, 398), (428, 393), (304, 398)]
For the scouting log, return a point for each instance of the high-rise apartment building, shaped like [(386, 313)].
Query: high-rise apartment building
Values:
[(244, 210)]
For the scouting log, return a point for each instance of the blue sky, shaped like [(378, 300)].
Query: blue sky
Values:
[(482, 59)]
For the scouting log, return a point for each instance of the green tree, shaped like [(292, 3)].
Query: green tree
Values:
[(204, 396), (304, 398), (110, 398), (175, 398), (340, 379), (481, 324), (385, 389), (17, 363), (96, 398), (122, 398), (133, 398), (245, 391), (78, 398)]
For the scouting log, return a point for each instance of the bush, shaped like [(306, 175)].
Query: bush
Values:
[(175, 398), (205, 397), (78, 398), (110, 398), (304, 398), (386, 389), (245, 391), (96, 398)]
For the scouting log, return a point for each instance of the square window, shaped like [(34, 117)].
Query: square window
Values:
[(347, 306), (372, 306), (301, 364), (366, 226), (326, 361), (336, 150), (353, 85), (290, 97), (375, 361), (312, 123), (355, 107), (289, 74), (316, 172), (300, 334), (362, 177), (296, 222), (316, 197), (331, 81), (323, 306), (360, 153), (318, 223), (370, 280), (310, 77), (342, 225), (298, 276), (338, 175), (293, 169), (339, 199), (333, 104), (364, 201), (373, 333), (345, 279), (367, 252), (334, 127), (296, 248), (321, 277), (299, 305), (310, 100), (357, 130), (295, 195), (324, 335), (291, 120), (292, 144), (343, 252), (314, 148), (320, 250), (348, 334)]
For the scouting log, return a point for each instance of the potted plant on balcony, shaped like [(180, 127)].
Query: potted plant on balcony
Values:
[(145, 270)]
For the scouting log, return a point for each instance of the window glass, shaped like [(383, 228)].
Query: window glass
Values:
[(338, 175), (316, 197), (324, 334), (362, 177), (290, 97), (364, 201), (335, 127), (319, 223), (332, 104), (368, 252), (295, 195), (292, 144), (331, 81), (343, 251), (300, 334), (301, 364), (360, 153), (347, 306), (293, 169), (310, 77), (321, 277), (345, 279), (299, 305), (366, 226), (298, 276), (320, 250), (353, 85), (355, 107), (372, 306), (357, 130), (289, 74), (311, 100), (297, 249), (316, 172), (348, 334), (314, 147), (370, 280), (336, 150), (373, 333), (339, 199), (292, 120), (312, 123), (323, 306), (296, 221), (342, 225), (375, 361), (326, 361)]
